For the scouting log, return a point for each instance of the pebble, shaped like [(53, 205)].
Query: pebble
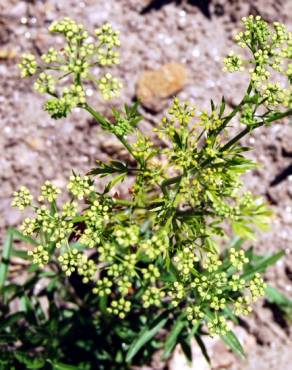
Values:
[(154, 86)]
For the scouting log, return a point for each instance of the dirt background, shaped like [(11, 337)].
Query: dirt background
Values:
[(195, 33)]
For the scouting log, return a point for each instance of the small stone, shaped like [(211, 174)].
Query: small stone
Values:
[(222, 358), (155, 86), (35, 143), (7, 54)]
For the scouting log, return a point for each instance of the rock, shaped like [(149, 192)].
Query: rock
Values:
[(7, 54), (222, 358), (35, 143), (154, 86)]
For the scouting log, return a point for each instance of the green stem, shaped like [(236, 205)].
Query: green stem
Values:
[(105, 124), (237, 109), (279, 115), (236, 139), (124, 202), (233, 141), (244, 132), (99, 117)]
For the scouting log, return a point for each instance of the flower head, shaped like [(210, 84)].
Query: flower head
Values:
[(22, 198)]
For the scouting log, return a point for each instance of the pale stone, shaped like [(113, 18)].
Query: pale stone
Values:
[(154, 86)]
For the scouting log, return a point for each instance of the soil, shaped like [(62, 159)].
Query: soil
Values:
[(194, 33)]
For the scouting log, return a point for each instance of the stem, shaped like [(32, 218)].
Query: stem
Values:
[(236, 138), (279, 115), (230, 143), (99, 117), (237, 109), (244, 132), (128, 147), (105, 123), (123, 202)]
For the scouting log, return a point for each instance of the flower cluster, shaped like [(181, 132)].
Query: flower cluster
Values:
[(270, 53), (120, 308), (39, 255), (74, 62), (28, 65), (109, 86), (49, 192), (80, 186), (233, 63), (22, 198)]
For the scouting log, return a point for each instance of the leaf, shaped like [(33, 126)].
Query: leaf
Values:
[(262, 265), (145, 336), (6, 253), (230, 339), (12, 319), (243, 231), (213, 106), (236, 243), (30, 363), (222, 107), (278, 298), (62, 366), (171, 340), (18, 235), (177, 139), (114, 182), (204, 350), (186, 348), (105, 169), (20, 254)]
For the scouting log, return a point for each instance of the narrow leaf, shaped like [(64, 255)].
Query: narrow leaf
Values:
[(61, 366), (145, 336), (171, 340), (276, 297), (262, 265), (6, 253), (230, 339)]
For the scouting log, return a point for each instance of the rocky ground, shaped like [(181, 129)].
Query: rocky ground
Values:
[(192, 36)]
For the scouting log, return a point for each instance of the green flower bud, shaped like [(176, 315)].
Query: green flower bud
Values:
[(28, 65), (22, 198)]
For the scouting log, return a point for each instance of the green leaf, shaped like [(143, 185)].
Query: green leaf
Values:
[(20, 254), (105, 169), (278, 298), (230, 339), (284, 304), (186, 348), (114, 182), (242, 230), (62, 366), (30, 363), (18, 235), (6, 253), (203, 348), (222, 107), (145, 336), (236, 243), (262, 265), (171, 340), (12, 319), (177, 139)]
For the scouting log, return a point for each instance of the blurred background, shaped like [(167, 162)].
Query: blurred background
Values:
[(182, 43)]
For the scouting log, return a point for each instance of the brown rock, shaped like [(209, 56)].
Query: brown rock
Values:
[(222, 358), (7, 54), (155, 86)]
